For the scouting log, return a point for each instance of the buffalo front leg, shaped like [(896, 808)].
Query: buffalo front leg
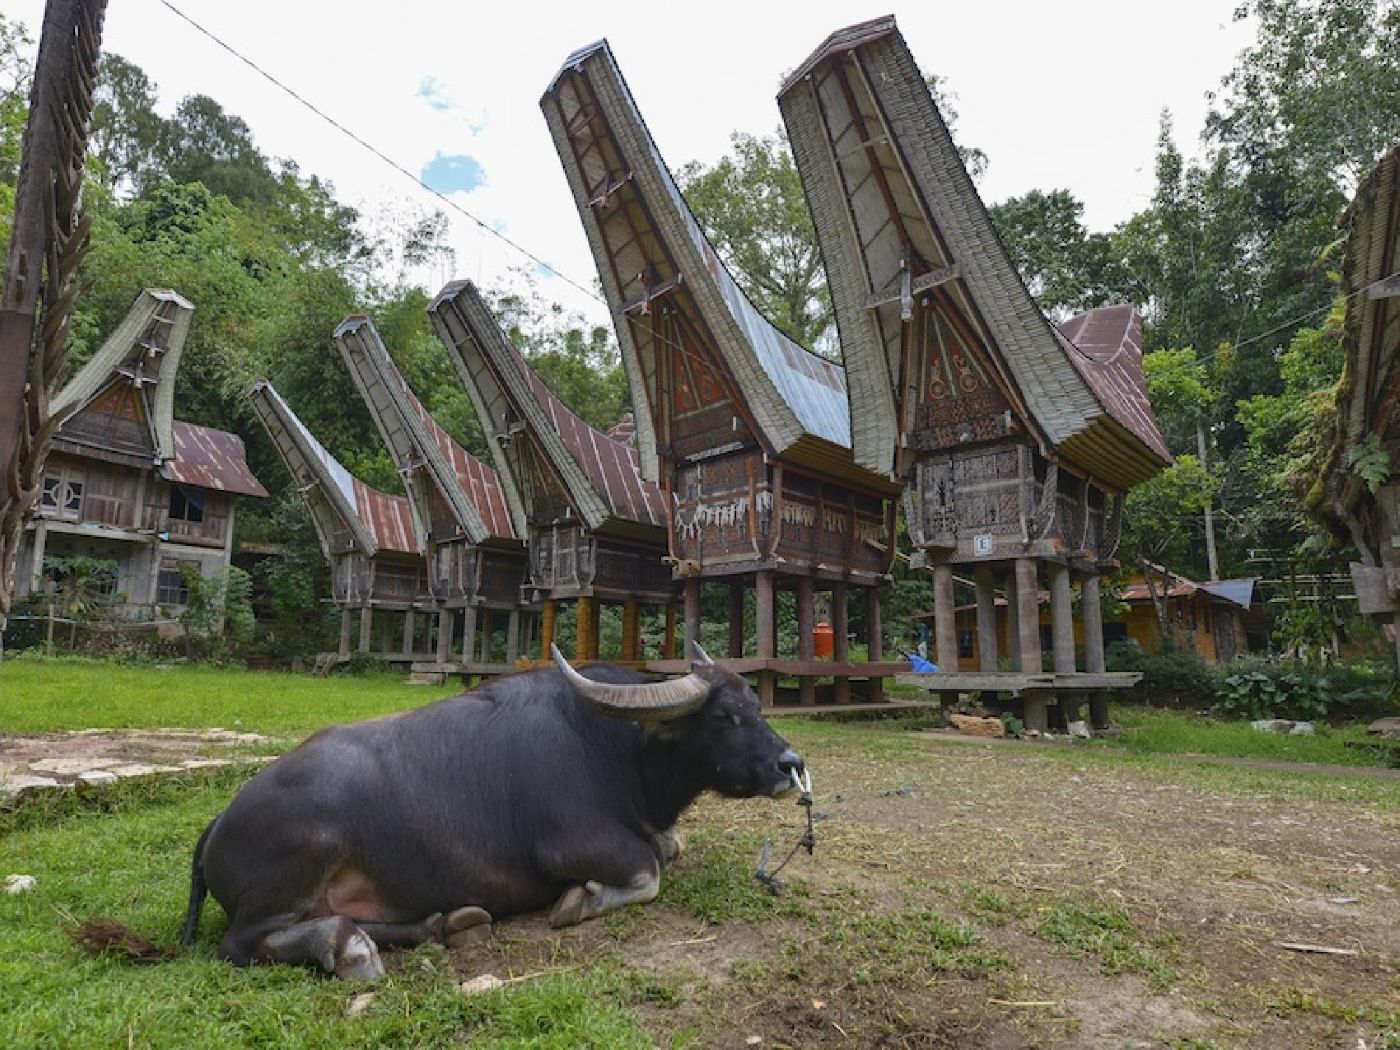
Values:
[(334, 943), (667, 846), (593, 898)]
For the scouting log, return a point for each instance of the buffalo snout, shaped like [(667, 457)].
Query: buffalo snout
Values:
[(790, 762)]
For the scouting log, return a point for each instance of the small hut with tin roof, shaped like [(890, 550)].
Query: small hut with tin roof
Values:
[(367, 536), (594, 529), (748, 433), (1016, 442), (475, 560)]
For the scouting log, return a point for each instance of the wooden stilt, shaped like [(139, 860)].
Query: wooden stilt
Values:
[(944, 624), (691, 593), (584, 633), (1028, 613), (631, 632), (547, 615), (668, 637), (469, 634), (988, 643), (410, 624), (806, 641), (1092, 612), (1061, 617), (512, 636), (840, 639), (444, 638), (1035, 717), (1013, 623), (343, 650), (765, 641), (366, 627), (874, 641), (736, 620), (487, 619)]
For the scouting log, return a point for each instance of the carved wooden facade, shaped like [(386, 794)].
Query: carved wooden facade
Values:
[(476, 562), (127, 483), (1016, 441), (747, 432), (593, 527)]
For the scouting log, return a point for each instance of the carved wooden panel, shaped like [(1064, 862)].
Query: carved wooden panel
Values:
[(958, 400)]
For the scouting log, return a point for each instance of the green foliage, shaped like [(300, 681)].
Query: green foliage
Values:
[(1177, 677), (1300, 691), (218, 609), (1154, 731), (1369, 461)]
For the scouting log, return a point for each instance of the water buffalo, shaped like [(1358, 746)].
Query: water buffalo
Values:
[(551, 787)]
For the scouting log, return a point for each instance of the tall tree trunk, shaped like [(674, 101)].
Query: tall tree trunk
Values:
[(1159, 603), (1211, 560), (47, 241)]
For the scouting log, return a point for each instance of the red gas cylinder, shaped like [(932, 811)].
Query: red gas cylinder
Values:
[(822, 640)]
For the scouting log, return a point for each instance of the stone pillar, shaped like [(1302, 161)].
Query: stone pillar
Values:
[(736, 620), (631, 624), (410, 624), (1028, 615), (547, 614), (366, 627), (945, 638), (764, 628), (806, 642), (343, 650), (988, 636), (840, 640), (512, 636), (691, 595), (875, 642), (583, 636), (1061, 617), (444, 639)]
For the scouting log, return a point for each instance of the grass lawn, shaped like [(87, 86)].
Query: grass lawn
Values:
[(959, 895), (1159, 732)]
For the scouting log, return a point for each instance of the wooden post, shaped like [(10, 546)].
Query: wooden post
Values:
[(584, 635), (444, 639), (1013, 623), (1034, 707), (631, 631), (1061, 617), (988, 642), (469, 634), (512, 637), (668, 637), (343, 650), (410, 623), (366, 627), (945, 627), (547, 627), (766, 641), (1092, 611), (691, 591), (487, 631), (875, 642), (386, 630), (840, 640), (1028, 614), (806, 641), (736, 620)]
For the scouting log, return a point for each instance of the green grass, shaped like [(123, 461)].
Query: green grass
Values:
[(50, 695), (1154, 731), (1107, 934)]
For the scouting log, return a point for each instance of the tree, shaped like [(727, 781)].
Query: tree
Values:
[(125, 125)]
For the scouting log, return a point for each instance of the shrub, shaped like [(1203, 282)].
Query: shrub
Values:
[(1178, 678), (1257, 690)]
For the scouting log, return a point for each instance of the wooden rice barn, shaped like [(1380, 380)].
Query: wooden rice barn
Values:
[(747, 433), (475, 561), (595, 531), (1368, 424), (1016, 442), (367, 536)]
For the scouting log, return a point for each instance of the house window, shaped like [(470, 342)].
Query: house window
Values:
[(170, 584), (186, 504), (62, 494)]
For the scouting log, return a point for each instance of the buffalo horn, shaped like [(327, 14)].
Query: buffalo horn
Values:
[(701, 657), (643, 702)]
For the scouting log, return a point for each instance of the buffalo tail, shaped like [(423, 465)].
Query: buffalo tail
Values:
[(199, 889)]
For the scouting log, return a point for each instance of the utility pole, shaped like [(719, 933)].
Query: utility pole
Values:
[(1211, 561), (47, 241)]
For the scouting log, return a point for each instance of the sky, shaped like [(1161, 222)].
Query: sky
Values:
[(1058, 95)]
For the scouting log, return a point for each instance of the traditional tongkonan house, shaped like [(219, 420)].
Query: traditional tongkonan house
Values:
[(127, 483), (595, 530), (1016, 443), (747, 432), (367, 536), (476, 562), (1361, 490)]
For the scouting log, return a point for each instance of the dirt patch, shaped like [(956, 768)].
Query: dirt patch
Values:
[(996, 897)]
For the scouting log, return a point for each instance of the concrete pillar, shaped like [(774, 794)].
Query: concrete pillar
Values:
[(512, 636), (736, 620), (988, 640), (690, 591), (631, 631), (1061, 617), (547, 615), (1028, 614), (366, 627), (584, 635), (945, 637), (806, 642), (840, 640), (469, 635), (875, 642), (444, 638), (343, 650)]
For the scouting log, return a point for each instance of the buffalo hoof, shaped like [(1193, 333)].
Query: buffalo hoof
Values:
[(466, 926), (571, 908), (357, 959), (667, 846)]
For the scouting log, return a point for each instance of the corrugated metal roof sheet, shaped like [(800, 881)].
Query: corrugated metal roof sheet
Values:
[(211, 459), (1241, 592), (1106, 346), (389, 518)]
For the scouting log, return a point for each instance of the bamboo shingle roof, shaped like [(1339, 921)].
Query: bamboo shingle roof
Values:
[(898, 217), (598, 472), (469, 488), (653, 257), (373, 519)]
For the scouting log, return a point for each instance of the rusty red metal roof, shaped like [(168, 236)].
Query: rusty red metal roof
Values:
[(624, 430), (389, 518), (1106, 346), (480, 482), (210, 459), (610, 465)]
